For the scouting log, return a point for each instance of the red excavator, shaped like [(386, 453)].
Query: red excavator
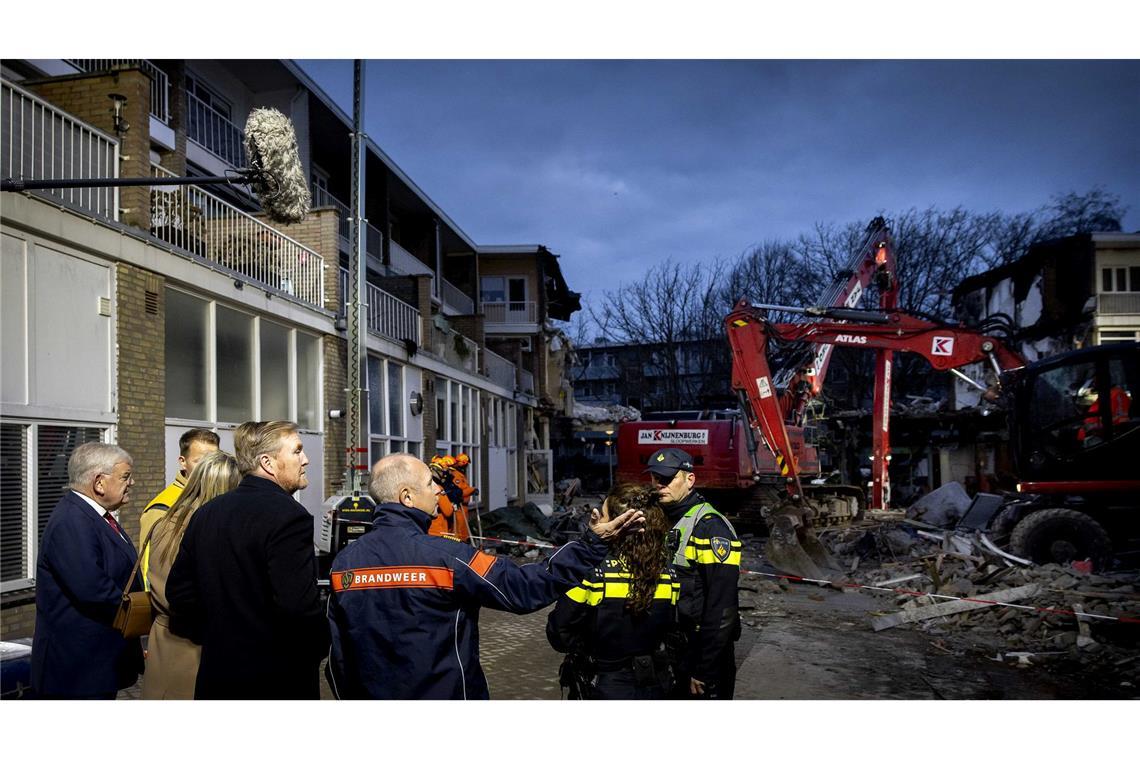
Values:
[(1073, 430), (743, 477)]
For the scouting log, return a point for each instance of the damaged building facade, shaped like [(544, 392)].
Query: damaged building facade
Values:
[(133, 314), (1063, 294)]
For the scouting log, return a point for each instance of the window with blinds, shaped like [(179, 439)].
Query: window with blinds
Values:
[(54, 445), (13, 498)]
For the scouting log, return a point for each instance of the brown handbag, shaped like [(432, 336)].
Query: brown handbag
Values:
[(135, 613)]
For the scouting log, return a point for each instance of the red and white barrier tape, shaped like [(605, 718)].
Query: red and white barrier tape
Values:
[(908, 592)]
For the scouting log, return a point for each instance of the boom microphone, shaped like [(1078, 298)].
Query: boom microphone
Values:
[(279, 181)]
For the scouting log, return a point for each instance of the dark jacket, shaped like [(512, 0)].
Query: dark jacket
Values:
[(592, 618), (708, 608), (244, 587), (82, 568), (405, 605)]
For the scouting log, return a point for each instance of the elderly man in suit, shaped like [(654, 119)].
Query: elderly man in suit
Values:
[(84, 562), (244, 584)]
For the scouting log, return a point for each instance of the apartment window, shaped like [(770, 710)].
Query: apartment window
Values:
[(1120, 279), (235, 356), (212, 375), (33, 457), (187, 347), (386, 409), (457, 408), (500, 289)]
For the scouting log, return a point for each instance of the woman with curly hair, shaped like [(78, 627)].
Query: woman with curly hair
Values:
[(172, 661), (613, 624)]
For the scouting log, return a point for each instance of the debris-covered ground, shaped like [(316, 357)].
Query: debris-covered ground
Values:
[(894, 627)]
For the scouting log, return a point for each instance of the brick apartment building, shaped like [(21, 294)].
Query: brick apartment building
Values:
[(130, 315)]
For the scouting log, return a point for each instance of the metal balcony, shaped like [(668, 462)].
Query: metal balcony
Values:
[(214, 132), (159, 82), (456, 298), (510, 312), (202, 224), (499, 369), (39, 141), (1118, 303)]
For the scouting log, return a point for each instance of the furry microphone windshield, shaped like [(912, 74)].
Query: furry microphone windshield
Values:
[(271, 146)]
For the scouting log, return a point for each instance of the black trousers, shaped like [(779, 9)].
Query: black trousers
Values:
[(622, 684), (724, 686)]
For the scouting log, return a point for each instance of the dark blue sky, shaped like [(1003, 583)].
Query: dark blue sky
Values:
[(616, 165)]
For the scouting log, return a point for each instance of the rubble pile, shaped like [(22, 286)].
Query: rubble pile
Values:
[(955, 565)]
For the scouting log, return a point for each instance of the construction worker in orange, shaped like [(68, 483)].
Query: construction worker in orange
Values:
[(1120, 407), (451, 520), (459, 475)]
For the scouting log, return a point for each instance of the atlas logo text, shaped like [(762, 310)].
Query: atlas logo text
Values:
[(850, 338)]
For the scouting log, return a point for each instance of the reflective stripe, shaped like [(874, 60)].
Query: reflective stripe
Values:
[(481, 563), (708, 542), (392, 577), (706, 557), (593, 594)]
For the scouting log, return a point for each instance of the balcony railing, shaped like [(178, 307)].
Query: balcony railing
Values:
[(39, 141), (526, 381), (1118, 303), (456, 298), (386, 314), (501, 370), (159, 82), (204, 225), (510, 312), (392, 317), (214, 132)]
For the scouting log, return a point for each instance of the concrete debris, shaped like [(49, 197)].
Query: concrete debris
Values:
[(950, 608), (981, 572)]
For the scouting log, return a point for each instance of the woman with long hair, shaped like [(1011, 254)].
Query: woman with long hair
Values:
[(613, 624), (172, 661)]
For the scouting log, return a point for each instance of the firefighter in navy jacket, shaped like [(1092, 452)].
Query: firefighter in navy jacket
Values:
[(405, 605)]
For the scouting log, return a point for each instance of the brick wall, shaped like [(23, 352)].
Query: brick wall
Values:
[(402, 287), (17, 614), (427, 389), (141, 338), (318, 231), (336, 380), (85, 96)]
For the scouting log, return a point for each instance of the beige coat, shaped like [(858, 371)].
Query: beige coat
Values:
[(171, 661)]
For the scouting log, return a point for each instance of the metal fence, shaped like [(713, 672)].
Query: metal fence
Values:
[(39, 141), (202, 224), (214, 132), (159, 82), (392, 317)]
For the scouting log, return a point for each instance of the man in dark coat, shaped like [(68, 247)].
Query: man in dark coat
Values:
[(84, 563), (244, 585)]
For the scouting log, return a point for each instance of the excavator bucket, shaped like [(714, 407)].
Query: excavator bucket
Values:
[(794, 548)]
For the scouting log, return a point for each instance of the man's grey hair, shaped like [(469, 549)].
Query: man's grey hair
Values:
[(92, 459), (390, 474)]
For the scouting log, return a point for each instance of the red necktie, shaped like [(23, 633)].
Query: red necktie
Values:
[(112, 522)]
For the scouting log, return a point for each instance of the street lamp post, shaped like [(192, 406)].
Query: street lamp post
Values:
[(610, 455)]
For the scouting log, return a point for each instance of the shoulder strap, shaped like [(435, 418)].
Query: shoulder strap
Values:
[(138, 560)]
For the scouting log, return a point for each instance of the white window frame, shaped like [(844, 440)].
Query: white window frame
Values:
[(212, 420), (385, 440)]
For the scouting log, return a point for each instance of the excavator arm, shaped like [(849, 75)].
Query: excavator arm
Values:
[(792, 545)]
